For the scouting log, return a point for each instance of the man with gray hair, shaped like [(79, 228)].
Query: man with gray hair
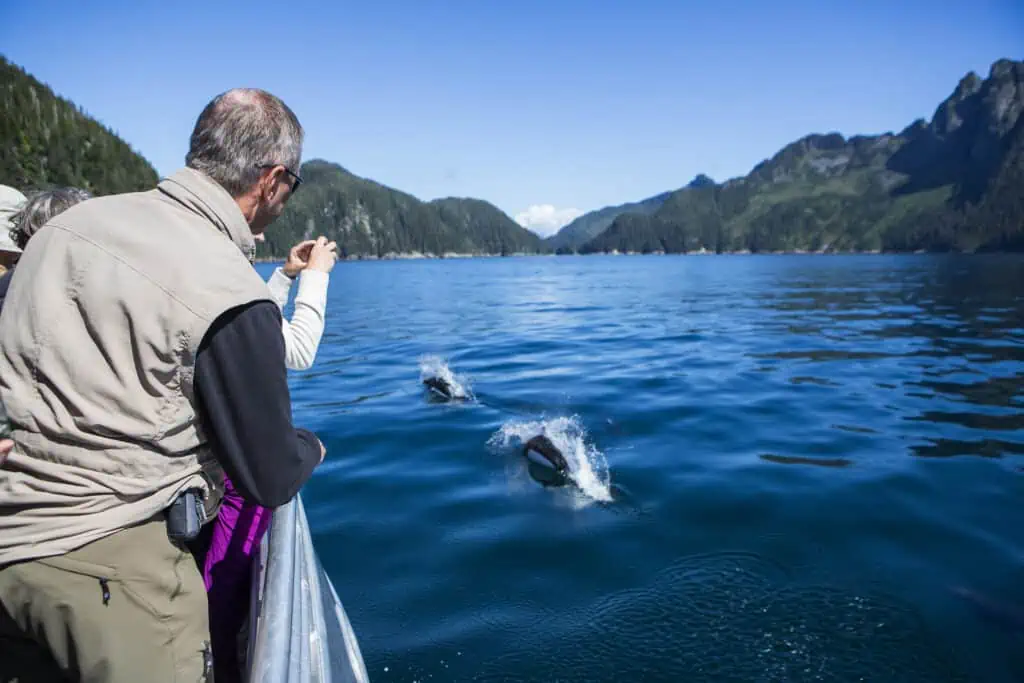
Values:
[(141, 358)]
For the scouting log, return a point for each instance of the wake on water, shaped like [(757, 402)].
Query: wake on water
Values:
[(587, 465), (435, 366)]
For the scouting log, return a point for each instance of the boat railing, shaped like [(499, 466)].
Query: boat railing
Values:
[(299, 631)]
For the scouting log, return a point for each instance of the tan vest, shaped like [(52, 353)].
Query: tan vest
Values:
[(98, 342)]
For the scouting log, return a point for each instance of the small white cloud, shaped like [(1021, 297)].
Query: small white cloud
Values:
[(545, 220)]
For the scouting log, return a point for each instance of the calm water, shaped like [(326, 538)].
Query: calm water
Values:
[(814, 454)]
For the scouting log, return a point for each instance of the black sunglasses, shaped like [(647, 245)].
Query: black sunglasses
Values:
[(298, 180)]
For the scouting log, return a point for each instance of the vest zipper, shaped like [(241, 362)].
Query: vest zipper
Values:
[(106, 591)]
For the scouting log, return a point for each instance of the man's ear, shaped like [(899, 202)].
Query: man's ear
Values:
[(267, 185), (274, 184)]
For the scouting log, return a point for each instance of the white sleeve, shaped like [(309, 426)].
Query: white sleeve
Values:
[(302, 334), (280, 286)]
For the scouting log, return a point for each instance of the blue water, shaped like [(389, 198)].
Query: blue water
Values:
[(810, 455)]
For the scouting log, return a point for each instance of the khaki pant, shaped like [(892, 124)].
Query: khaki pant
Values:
[(130, 607)]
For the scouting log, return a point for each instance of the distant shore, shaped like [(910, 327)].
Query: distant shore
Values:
[(795, 252), (406, 257)]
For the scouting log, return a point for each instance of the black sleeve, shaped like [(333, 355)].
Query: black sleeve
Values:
[(242, 391)]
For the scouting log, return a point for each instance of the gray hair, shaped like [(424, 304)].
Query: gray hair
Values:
[(40, 208), (241, 130)]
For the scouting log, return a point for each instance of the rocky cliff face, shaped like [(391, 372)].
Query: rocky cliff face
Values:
[(940, 184), (966, 139)]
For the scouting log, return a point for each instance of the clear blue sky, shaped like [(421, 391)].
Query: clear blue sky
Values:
[(575, 104)]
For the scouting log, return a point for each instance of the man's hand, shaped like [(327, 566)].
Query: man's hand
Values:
[(323, 255), (298, 258), (7, 444)]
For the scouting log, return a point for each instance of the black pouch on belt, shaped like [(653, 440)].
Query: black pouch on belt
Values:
[(186, 516)]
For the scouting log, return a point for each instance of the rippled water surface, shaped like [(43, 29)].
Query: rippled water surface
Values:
[(788, 467)]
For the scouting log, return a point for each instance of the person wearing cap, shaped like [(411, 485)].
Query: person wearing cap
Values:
[(10, 201)]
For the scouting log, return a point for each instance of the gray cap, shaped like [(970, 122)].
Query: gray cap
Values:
[(10, 202)]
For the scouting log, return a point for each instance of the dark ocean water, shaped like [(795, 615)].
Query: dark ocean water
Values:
[(818, 462)]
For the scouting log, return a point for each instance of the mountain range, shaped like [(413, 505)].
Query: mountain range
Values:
[(590, 225), (368, 219), (952, 183)]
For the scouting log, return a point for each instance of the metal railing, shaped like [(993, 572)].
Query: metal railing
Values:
[(299, 631)]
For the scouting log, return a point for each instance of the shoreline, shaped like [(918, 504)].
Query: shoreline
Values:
[(408, 256), (416, 256)]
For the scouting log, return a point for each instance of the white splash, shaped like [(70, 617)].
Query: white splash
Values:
[(435, 366), (587, 465)]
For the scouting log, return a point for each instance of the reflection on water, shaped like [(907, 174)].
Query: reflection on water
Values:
[(938, 326), (804, 460), (826, 451)]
